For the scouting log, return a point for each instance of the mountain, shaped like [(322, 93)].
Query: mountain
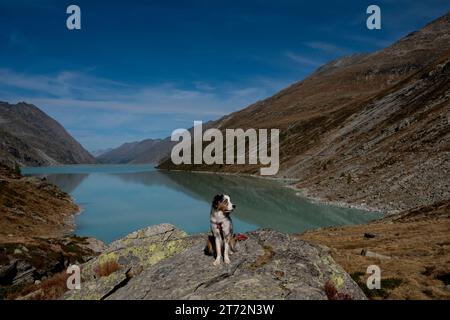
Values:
[(148, 151), (370, 129), (155, 153), (139, 152), (99, 152), (29, 137)]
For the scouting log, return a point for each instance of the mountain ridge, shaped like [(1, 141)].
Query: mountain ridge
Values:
[(137, 152), (32, 138), (348, 131)]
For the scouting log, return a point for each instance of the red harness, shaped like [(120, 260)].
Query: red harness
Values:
[(241, 237)]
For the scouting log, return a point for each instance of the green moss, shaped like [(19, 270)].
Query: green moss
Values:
[(337, 280), (349, 178), (156, 252), (105, 257)]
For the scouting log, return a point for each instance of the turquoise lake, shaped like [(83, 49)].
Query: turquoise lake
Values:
[(118, 199)]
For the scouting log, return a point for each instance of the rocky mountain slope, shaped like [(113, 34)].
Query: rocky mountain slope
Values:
[(36, 220), (139, 152), (162, 262), (32, 207), (372, 129), (30, 137)]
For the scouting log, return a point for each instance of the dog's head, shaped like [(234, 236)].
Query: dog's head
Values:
[(223, 203)]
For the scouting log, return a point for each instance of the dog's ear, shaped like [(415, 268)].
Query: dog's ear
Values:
[(217, 199)]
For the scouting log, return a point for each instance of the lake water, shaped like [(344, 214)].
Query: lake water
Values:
[(119, 199)]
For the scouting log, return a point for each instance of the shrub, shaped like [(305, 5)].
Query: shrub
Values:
[(333, 294), (104, 269), (54, 287), (50, 289)]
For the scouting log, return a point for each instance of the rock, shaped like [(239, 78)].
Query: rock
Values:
[(134, 253), (25, 273), (371, 254), (8, 272), (163, 262), (96, 245)]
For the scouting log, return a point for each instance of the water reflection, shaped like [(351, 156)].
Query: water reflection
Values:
[(120, 199)]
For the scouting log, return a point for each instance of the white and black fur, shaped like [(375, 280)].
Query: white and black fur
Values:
[(221, 228)]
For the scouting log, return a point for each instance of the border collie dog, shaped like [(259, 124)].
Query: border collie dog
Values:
[(222, 229)]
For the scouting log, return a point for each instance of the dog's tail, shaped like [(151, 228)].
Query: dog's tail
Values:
[(233, 242), (209, 248)]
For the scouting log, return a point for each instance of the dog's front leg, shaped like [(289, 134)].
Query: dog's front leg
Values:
[(226, 258), (218, 251)]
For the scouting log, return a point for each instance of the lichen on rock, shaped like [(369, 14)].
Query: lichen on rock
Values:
[(163, 262)]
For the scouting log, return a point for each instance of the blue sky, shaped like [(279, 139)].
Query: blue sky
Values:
[(141, 69)]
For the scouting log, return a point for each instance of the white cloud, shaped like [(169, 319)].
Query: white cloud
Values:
[(102, 112), (79, 90), (303, 60), (327, 47)]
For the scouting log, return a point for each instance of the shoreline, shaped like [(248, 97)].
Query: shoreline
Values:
[(303, 192), (70, 225), (70, 220), (395, 238), (288, 183)]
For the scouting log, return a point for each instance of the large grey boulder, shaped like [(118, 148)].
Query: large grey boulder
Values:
[(163, 262)]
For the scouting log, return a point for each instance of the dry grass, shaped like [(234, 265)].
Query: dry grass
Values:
[(263, 259), (50, 289), (418, 244), (54, 287), (106, 268), (32, 208)]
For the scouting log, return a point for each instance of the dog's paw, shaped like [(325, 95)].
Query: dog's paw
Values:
[(227, 261), (216, 262)]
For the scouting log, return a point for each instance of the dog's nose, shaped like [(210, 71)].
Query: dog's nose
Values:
[(234, 206)]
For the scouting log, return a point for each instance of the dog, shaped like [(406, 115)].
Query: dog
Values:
[(222, 229)]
